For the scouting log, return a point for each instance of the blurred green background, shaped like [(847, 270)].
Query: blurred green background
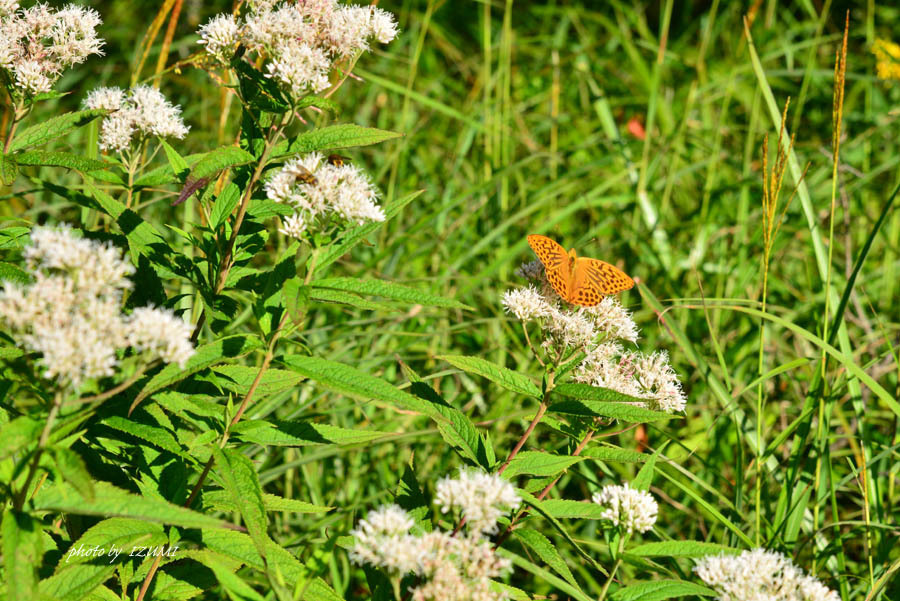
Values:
[(632, 132)]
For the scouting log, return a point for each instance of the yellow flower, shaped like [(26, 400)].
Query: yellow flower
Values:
[(887, 55)]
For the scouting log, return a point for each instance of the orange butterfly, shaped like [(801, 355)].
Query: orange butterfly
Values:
[(577, 280)]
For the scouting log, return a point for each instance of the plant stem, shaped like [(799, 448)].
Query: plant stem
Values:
[(42, 443), (612, 573), (226, 263), (534, 422)]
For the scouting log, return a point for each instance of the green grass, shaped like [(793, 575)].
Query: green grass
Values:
[(515, 120)]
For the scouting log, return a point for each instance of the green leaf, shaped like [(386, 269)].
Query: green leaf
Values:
[(176, 161), (578, 510), (21, 554), (388, 290), (111, 501), (60, 159), (299, 433), (241, 547), (142, 237), (73, 470), (13, 273), (498, 374), (223, 206), (344, 135), (577, 390), (354, 382), (219, 159), (114, 534), (656, 590), (544, 549), (221, 501), (239, 378), (234, 585), (352, 237), (220, 351), (74, 581), (645, 475), (9, 169), (681, 548), (17, 435), (605, 453), (536, 463), (318, 102), (239, 479), (53, 128), (621, 411), (155, 435), (329, 295)]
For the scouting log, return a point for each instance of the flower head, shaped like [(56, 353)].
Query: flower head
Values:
[(760, 575), (71, 313), (319, 192), (299, 43), (38, 43), (142, 111), (481, 498), (627, 508)]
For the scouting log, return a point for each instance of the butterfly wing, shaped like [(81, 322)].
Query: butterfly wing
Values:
[(593, 279), (556, 263)]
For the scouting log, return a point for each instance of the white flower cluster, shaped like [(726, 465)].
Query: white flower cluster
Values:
[(142, 111), (319, 190), (71, 313), (627, 508), (596, 331), (760, 575), (301, 40), (450, 567), (38, 43)]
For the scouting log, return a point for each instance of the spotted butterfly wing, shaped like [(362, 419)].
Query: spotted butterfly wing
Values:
[(556, 263), (593, 279)]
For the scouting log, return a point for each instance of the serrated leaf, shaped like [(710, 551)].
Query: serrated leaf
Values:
[(74, 581), (9, 169), (73, 470), (318, 102), (119, 533), (344, 135), (351, 381), (111, 501), (178, 164), (222, 501), (53, 128), (605, 453), (621, 411), (223, 206), (234, 585), (21, 554), (155, 435), (656, 590), (544, 549), (329, 295), (220, 351), (142, 237), (388, 290), (578, 510), (299, 433), (241, 547), (13, 273), (535, 463), (577, 390), (498, 374), (645, 476), (219, 159), (17, 435), (60, 159), (239, 378), (239, 479), (681, 548)]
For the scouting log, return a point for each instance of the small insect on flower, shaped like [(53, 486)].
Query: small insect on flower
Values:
[(305, 176), (578, 280), (337, 160)]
